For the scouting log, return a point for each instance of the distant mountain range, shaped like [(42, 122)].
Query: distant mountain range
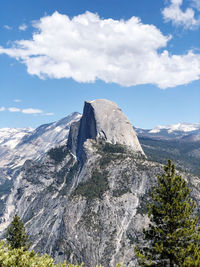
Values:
[(179, 142), (174, 131), (47, 135), (173, 141)]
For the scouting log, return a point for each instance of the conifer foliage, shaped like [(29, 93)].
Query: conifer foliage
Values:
[(16, 234), (172, 237)]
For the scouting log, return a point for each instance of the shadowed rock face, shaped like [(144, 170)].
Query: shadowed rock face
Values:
[(102, 119)]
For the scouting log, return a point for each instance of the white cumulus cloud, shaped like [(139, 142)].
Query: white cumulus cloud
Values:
[(2, 109), (87, 47), (186, 18), (17, 100), (31, 111), (14, 109), (23, 27)]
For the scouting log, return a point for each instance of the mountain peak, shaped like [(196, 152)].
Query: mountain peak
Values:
[(102, 119)]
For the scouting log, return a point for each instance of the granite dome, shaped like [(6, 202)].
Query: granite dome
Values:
[(103, 119)]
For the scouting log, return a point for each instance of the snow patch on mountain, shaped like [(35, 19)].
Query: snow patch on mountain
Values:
[(183, 127), (19, 145), (10, 137)]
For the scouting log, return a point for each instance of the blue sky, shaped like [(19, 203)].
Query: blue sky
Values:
[(142, 54)]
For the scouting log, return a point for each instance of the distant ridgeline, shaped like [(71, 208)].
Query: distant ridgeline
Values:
[(186, 155), (179, 142)]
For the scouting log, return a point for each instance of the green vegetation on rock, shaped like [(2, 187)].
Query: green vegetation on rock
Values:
[(58, 153), (68, 174), (111, 148), (94, 187)]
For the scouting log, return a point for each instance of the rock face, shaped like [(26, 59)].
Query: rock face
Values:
[(103, 119), (19, 145), (90, 211)]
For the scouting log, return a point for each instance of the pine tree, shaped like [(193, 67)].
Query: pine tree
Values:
[(172, 237), (16, 234)]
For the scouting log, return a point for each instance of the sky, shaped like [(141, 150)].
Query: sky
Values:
[(143, 55)]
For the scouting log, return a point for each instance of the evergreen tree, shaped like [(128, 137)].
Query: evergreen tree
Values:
[(172, 237), (16, 234)]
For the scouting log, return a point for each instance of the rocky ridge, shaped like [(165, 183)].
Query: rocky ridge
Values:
[(33, 144), (19, 145)]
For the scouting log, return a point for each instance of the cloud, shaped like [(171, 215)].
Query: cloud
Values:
[(2, 109), (7, 27), (87, 47), (27, 110), (13, 109), (17, 100), (49, 114), (31, 111), (178, 17), (23, 27)]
